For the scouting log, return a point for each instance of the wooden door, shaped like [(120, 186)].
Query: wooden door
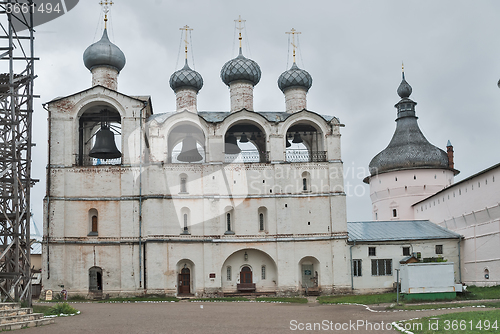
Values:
[(185, 281), (307, 275), (246, 275)]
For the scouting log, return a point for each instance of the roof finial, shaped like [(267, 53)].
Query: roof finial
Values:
[(293, 32), (186, 28), (105, 8), (240, 28), (403, 69)]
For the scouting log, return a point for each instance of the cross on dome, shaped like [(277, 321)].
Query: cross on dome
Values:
[(293, 32), (105, 8)]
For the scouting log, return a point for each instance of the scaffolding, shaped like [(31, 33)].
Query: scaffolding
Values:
[(16, 109)]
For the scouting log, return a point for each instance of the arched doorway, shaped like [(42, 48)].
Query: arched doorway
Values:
[(95, 280), (309, 273), (185, 281), (246, 275)]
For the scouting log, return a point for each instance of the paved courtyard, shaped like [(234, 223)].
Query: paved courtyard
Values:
[(244, 317)]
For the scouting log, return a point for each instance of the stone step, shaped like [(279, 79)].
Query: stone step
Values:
[(26, 324), (9, 306), (20, 318), (14, 312)]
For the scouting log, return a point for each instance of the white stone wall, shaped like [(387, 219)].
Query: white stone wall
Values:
[(394, 251), (105, 76), (299, 225), (471, 208), (295, 99), (241, 93), (399, 190)]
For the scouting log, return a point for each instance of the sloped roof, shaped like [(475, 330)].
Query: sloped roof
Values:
[(397, 230), (219, 116)]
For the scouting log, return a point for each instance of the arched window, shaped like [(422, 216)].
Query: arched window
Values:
[(394, 213), (261, 221), (185, 212), (228, 221), (93, 223), (183, 183), (306, 181), (263, 272), (228, 273)]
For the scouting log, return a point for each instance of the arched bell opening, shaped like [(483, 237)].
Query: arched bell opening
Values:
[(304, 143), (186, 144), (99, 137), (245, 142)]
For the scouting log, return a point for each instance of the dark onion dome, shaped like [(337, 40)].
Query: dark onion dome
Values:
[(186, 77), (408, 149), (240, 68), (104, 53), (295, 77), (404, 89)]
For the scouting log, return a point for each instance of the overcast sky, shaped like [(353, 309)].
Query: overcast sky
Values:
[(353, 50)]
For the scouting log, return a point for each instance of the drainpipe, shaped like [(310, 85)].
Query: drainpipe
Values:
[(47, 194), (352, 266), (140, 194), (459, 261)]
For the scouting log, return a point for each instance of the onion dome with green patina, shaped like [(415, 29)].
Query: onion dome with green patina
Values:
[(186, 78), (295, 77), (240, 69)]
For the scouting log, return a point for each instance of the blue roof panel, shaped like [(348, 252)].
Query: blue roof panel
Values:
[(397, 230)]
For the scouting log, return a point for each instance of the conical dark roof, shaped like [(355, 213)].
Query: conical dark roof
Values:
[(408, 149)]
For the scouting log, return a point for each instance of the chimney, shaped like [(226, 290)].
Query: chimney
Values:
[(449, 150)]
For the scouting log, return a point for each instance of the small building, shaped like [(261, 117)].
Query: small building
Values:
[(377, 249)]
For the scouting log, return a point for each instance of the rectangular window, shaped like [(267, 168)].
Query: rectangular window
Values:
[(304, 184), (228, 273), (261, 222), (371, 251), (406, 251), (439, 249), (263, 272), (183, 185), (228, 221), (382, 267), (356, 267)]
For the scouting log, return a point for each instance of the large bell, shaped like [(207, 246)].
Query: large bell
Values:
[(189, 152), (244, 138), (232, 145), (104, 146), (296, 138)]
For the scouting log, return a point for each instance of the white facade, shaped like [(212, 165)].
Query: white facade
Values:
[(370, 281), (471, 207), (269, 220), (394, 193)]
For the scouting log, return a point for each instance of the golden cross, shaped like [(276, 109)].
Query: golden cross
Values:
[(240, 28), (186, 28), (293, 32), (105, 7)]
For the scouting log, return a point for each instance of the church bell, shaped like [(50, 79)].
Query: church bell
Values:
[(232, 145), (296, 138), (189, 152), (105, 147)]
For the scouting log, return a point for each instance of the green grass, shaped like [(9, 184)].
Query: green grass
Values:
[(359, 299), (140, 299), (57, 309), (446, 321), (436, 306), (282, 299), (476, 292), (220, 299), (41, 309), (77, 298)]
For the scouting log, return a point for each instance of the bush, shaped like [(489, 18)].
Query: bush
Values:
[(62, 308)]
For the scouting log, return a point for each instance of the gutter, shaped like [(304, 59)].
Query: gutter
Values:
[(47, 194), (352, 265)]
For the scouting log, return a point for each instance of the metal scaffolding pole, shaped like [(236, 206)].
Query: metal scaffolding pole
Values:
[(16, 109)]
